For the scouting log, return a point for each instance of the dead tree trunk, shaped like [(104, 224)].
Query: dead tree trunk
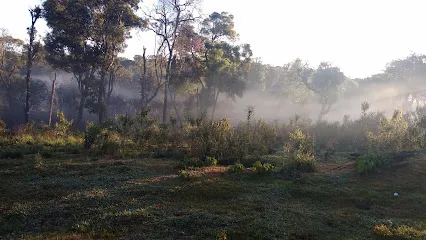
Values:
[(52, 99), (35, 15)]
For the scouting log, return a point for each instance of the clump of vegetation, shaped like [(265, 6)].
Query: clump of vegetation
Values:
[(371, 161), (38, 161), (237, 168), (399, 232), (195, 162), (210, 161), (300, 148), (260, 168)]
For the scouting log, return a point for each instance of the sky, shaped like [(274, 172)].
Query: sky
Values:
[(359, 36)]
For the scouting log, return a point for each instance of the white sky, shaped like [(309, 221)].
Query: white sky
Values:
[(359, 36)]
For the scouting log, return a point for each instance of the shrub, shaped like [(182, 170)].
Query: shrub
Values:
[(192, 162), (62, 125), (391, 136), (38, 161), (92, 133), (184, 174), (262, 168), (370, 162), (236, 168), (400, 232), (209, 138), (211, 161), (301, 149)]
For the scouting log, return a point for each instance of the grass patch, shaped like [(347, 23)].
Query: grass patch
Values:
[(73, 197)]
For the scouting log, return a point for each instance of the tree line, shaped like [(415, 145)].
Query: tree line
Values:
[(197, 60)]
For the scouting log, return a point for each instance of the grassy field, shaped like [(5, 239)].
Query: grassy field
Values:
[(74, 197)]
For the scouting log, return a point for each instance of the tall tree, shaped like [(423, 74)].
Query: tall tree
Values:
[(32, 49), (225, 65), (113, 20), (85, 40), (52, 99), (10, 64), (325, 83), (166, 20)]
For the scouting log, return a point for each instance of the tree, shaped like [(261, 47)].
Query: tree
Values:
[(68, 45), (10, 63), (225, 65), (52, 99), (113, 20), (324, 82), (32, 50), (166, 20), (85, 40)]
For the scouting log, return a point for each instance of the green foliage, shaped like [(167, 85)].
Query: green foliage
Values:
[(391, 136), (301, 149), (92, 133), (62, 125), (209, 138), (260, 168), (195, 162), (192, 162), (211, 161), (370, 162), (237, 168), (184, 174)]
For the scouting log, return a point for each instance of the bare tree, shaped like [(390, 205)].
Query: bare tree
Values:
[(52, 99), (166, 19), (32, 51)]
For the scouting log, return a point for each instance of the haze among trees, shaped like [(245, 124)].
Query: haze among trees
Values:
[(197, 138), (198, 67)]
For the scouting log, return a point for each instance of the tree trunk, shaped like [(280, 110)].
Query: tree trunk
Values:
[(52, 99), (101, 101), (166, 86), (35, 15), (214, 104), (28, 76), (81, 109), (173, 100), (143, 82)]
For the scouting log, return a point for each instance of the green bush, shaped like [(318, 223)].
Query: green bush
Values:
[(210, 161), (300, 147), (91, 134), (192, 162), (262, 168), (184, 175), (236, 168), (62, 125), (370, 162)]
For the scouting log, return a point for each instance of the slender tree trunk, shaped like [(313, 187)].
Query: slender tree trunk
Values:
[(52, 99), (167, 87), (35, 15), (216, 97), (173, 100), (28, 76), (101, 101), (143, 82), (81, 109)]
